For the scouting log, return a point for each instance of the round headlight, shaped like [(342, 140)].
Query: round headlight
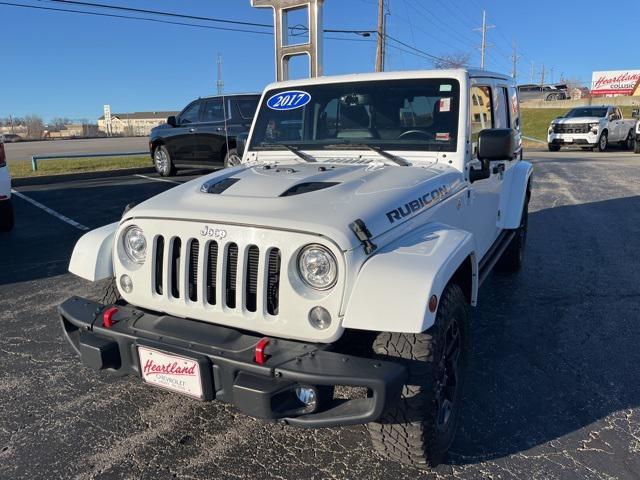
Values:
[(318, 267), (135, 244)]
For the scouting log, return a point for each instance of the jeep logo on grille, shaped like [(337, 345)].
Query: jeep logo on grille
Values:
[(217, 233)]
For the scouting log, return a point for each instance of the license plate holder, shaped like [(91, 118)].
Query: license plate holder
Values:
[(175, 372)]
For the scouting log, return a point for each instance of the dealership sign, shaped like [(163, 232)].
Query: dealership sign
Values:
[(621, 82)]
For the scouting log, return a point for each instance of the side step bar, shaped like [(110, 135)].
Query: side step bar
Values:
[(494, 253)]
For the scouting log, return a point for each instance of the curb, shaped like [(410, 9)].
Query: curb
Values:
[(66, 177)]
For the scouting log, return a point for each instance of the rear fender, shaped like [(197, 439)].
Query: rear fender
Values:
[(92, 257), (513, 196), (392, 291)]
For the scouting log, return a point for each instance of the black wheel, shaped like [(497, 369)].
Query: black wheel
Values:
[(628, 143), (110, 294), (163, 163), (513, 257), (420, 428), (636, 147), (232, 159), (603, 143), (7, 219), (553, 147)]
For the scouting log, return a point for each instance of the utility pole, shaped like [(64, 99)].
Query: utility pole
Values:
[(220, 82), (551, 74), (515, 57), (533, 71), (542, 76), (13, 130), (484, 45), (381, 38)]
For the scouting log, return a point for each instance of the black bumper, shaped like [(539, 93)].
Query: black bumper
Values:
[(227, 364)]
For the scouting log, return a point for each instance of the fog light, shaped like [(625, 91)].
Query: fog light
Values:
[(319, 318), (307, 396), (126, 283)]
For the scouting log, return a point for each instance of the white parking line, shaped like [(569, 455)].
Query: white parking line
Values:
[(59, 216), (156, 179)]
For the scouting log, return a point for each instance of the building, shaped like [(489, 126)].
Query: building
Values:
[(135, 124), (72, 130)]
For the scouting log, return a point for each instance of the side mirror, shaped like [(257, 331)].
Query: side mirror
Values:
[(635, 113), (241, 143), (493, 144), (172, 121)]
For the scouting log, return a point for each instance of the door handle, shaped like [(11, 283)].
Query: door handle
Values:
[(220, 129)]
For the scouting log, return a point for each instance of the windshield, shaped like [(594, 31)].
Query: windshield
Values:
[(587, 112), (398, 115)]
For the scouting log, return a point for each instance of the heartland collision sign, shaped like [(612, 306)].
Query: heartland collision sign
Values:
[(622, 82)]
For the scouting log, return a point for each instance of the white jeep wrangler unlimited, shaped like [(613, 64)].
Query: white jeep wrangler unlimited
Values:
[(345, 251)]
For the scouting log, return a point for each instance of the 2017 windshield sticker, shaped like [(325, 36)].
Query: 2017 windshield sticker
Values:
[(289, 100)]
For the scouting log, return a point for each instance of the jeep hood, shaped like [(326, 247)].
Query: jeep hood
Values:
[(317, 198)]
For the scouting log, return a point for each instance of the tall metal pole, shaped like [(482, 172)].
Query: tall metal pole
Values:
[(533, 71), (484, 45), (220, 82), (515, 57), (381, 38), (542, 76)]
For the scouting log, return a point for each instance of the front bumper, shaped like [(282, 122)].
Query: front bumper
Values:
[(229, 372), (573, 139)]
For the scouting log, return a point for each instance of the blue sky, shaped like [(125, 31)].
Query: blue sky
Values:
[(64, 64)]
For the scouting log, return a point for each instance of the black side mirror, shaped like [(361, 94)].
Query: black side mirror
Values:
[(172, 121), (241, 143), (493, 144)]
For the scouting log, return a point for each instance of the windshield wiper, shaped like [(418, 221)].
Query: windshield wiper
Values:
[(383, 153), (295, 150)]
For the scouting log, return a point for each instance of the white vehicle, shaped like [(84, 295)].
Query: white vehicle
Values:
[(345, 251), (591, 127), (6, 208)]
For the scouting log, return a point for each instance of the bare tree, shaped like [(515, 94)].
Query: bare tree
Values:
[(60, 122), (35, 126), (453, 60)]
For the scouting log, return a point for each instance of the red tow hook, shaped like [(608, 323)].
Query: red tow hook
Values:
[(107, 317), (260, 354)]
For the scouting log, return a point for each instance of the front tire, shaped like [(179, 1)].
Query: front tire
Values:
[(628, 143), (553, 147), (603, 143), (419, 429), (7, 218), (163, 162)]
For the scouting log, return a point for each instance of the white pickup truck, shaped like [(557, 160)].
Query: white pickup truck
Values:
[(591, 127), (345, 251)]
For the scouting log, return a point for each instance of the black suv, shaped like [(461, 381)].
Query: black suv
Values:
[(204, 134)]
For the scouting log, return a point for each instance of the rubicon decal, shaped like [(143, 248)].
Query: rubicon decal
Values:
[(419, 203)]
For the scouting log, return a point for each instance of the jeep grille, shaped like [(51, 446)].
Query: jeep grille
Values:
[(224, 280)]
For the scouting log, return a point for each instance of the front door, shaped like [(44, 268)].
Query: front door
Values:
[(180, 140), (487, 111)]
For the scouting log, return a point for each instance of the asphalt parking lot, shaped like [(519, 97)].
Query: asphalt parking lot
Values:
[(553, 388)]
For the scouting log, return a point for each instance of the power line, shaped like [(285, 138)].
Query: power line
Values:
[(166, 14), (113, 15)]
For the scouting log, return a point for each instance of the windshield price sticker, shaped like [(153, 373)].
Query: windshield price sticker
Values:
[(445, 104), (289, 100)]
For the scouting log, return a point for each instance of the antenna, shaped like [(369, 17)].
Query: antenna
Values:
[(220, 82)]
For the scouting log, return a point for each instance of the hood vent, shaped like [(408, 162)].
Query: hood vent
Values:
[(307, 188), (218, 186)]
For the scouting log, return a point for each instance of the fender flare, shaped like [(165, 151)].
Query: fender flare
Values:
[(393, 288), (92, 257), (513, 196)]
